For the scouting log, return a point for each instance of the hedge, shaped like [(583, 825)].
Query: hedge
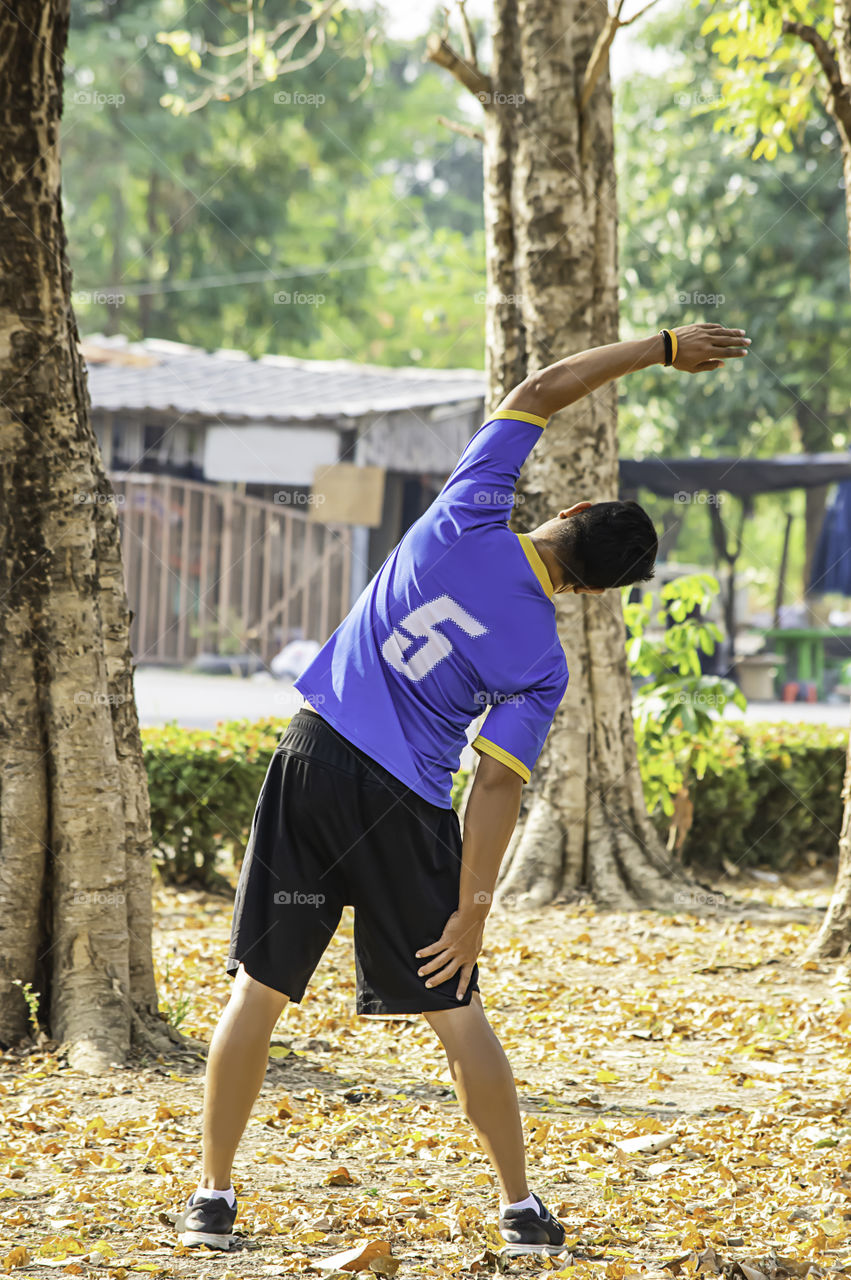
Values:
[(777, 794), (203, 786)]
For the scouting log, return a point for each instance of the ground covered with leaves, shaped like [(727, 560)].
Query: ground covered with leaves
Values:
[(685, 1084)]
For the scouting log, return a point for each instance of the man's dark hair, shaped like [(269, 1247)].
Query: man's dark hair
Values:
[(610, 544)]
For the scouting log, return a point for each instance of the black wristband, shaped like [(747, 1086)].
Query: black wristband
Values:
[(669, 349)]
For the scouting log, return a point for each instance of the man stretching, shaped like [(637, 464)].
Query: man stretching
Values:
[(355, 808)]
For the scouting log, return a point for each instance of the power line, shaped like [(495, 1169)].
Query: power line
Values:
[(220, 282)]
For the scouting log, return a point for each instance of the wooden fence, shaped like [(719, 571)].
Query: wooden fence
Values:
[(209, 570)]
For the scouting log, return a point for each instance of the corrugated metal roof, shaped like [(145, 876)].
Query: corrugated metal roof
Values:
[(172, 377)]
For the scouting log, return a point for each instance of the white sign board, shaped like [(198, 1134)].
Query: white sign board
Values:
[(268, 455)]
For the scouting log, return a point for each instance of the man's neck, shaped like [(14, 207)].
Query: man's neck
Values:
[(551, 561)]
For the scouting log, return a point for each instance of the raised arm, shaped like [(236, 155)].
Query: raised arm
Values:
[(700, 348)]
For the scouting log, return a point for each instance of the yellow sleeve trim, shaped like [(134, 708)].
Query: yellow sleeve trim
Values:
[(486, 748), (534, 418), (538, 566)]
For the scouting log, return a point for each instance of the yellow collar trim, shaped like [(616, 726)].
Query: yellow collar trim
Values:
[(538, 566)]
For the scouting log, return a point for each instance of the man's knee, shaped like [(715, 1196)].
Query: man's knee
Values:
[(449, 1024), (248, 991)]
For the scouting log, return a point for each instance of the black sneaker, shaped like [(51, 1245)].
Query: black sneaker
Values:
[(207, 1222), (526, 1231)]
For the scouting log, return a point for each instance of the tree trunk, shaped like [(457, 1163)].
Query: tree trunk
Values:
[(839, 102), (834, 936), (552, 232), (75, 876)]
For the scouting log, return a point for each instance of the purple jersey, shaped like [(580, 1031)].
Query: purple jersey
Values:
[(458, 618)]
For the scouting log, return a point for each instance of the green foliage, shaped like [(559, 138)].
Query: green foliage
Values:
[(203, 787), (770, 793), (765, 793), (32, 999), (175, 1012), (767, 79), (708, 233), (318, 215), (678, 709)]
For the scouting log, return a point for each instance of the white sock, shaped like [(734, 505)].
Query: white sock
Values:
[(208, 1193), (529, 1203)]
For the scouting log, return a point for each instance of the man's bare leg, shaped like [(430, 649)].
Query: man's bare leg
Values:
[(486, 1091), (236, 1067)]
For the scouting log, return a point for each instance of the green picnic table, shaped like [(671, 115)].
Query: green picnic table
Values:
[(804, 645)]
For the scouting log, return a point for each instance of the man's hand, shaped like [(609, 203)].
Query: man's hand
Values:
[(706, 346), (457, 948)]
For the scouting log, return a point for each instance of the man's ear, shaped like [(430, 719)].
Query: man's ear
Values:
[(574, 510)]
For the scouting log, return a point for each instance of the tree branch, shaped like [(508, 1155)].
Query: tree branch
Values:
[(440, 51), (467, 36), (466, 131), (600, 53), (830, 66)]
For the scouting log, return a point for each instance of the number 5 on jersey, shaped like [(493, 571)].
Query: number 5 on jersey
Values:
[(422, 623)]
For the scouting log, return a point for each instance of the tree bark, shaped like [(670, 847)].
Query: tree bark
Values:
[(834, 936), (551, 220), (833, 939), (75, 876)]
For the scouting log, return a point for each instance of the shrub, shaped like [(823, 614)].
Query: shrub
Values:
[(767, 793), (203, 787), (771, 792)]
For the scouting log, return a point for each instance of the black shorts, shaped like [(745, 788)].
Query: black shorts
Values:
[(332, 828)]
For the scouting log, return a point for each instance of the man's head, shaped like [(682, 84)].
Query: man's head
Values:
[(595, 545)]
